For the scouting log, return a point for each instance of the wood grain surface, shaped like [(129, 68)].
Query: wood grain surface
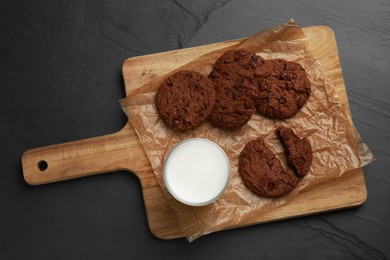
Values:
[(123, 151)]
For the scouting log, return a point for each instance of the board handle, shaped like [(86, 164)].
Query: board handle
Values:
[(82, 158)]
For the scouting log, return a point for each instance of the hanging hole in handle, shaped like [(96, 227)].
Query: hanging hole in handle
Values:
[(42, 165)]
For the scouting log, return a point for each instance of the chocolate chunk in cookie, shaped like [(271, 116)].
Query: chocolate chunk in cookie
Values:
[(185, 99), (299, 151), (283, 88), (263, 173)]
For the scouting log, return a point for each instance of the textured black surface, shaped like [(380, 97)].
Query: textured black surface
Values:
[(60, 67)]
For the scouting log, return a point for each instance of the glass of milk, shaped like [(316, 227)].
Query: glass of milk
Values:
[(196, 172)]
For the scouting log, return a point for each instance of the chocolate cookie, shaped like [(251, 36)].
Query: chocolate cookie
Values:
[(263, 173), (299, 152), (283, 88), (185, 99), (236, 87)]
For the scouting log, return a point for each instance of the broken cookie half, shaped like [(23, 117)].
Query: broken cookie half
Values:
[(262, 171)]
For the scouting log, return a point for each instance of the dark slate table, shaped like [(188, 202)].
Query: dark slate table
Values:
[(60, 68)]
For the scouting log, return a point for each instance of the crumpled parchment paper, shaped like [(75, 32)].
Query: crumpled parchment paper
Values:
[(337, 147)]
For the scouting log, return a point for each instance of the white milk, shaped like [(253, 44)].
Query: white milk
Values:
[(196, 172)]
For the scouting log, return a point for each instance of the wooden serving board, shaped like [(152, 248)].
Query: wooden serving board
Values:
[(123, 151)]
